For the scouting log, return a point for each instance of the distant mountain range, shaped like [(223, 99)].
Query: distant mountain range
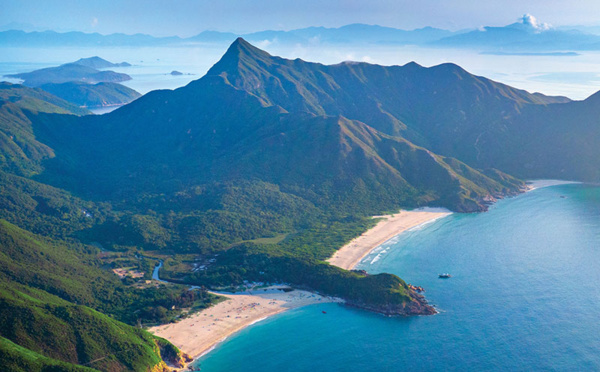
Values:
[(526, 35), (346, 34)]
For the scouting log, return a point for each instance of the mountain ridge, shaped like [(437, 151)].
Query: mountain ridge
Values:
[(526, 34), (240, 61)]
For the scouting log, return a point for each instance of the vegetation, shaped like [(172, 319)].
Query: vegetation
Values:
[(257, 172), (92, 95), (19, 359), (75, 273), (57, 329)]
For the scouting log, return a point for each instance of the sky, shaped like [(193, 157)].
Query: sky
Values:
[(190, 17)]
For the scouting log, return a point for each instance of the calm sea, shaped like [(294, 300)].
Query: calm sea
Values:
[(524, 295)]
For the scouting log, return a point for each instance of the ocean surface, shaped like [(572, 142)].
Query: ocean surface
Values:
[(524, 295)]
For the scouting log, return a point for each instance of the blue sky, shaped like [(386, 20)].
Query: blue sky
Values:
[(189, 17)]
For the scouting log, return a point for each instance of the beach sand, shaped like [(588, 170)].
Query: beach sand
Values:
[(200, 332), (352, 253)]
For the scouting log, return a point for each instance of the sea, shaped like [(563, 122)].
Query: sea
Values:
[(524, 295)]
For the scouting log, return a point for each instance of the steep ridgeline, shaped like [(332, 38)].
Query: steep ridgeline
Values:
[(220, 129), (443, 108)]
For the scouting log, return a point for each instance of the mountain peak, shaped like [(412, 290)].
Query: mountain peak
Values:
[(241, 47), (240, 51)]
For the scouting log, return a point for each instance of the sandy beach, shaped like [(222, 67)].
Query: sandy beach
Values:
[(200, 332), (352, 253)]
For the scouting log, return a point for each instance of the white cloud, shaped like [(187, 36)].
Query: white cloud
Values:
[(367, 59), (531, 21), (265, 43)]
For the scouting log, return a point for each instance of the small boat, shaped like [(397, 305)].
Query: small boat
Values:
[(444, 276), (324, 312)]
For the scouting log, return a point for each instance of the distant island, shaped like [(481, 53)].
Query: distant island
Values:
[(79, 71), (178, 73), (83, 83), (99, 63)]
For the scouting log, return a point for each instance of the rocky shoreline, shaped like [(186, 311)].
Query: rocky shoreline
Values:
[(417, 306)]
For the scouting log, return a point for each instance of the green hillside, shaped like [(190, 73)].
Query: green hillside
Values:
[(443, 108), (47, 289), (20, 152), (218, 133), (45, 325), (92, 95), (19, 359)]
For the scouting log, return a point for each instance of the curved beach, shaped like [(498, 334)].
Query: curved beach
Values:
[(391, 225), (200, 332)]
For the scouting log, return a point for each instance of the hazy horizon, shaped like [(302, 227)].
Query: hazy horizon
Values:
[(187, 18)]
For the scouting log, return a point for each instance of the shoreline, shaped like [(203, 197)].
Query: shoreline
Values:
[(201, 332), (540, 184), (391, 225)]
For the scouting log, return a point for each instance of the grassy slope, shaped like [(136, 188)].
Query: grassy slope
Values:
[(92, 95), (16, 358), (44, 285), (57, 329)]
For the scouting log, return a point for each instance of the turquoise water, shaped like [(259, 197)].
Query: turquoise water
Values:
[(525, 295)]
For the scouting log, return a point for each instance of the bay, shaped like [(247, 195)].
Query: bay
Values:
[(524, 295)]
